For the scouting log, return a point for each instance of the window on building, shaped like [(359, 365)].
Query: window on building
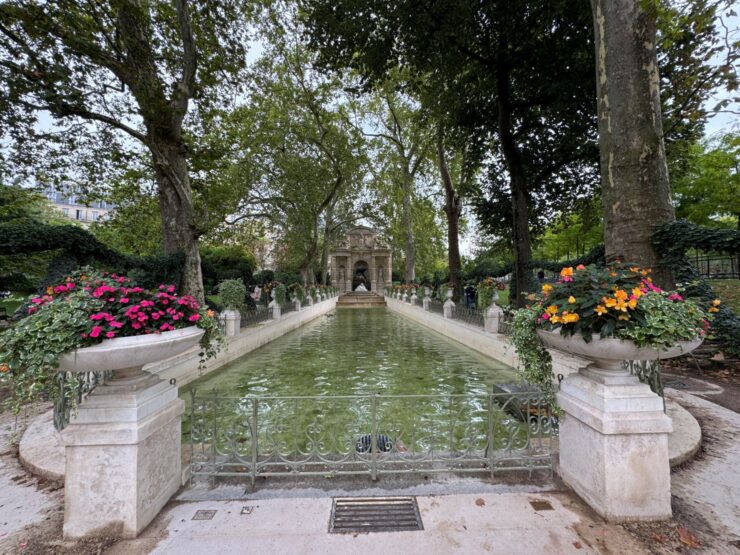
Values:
[(96, 216), (65, 211), (79, 215)]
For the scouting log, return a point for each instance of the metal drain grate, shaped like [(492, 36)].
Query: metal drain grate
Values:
[(374, 514), (541, 505), (203, 515)]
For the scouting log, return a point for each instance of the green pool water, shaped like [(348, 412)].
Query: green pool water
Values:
[(335, 380), (358, 352)]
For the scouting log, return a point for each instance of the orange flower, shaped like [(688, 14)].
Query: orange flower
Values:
[(609, 302), (566, 272), (621, 295), (570, 318), (555, 319), (546, 288), (552, 309), (4, 368), (716, 302), (50, 290), (714, 309), (600, 309), (637, 292), (580, 267), (624, 317), (210, 313), (621, 305), (632, 304)]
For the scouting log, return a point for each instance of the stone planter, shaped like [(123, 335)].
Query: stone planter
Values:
[(232, 322), (614, 435), (123, 447)]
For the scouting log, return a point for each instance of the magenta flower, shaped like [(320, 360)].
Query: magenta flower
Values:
[(95, 332), (110, 334), (116, 324), (194, 317)]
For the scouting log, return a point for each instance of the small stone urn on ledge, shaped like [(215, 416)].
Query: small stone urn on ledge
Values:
[(123, 447)]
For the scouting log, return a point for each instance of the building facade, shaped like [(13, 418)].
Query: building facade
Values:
[(69, 204), (361, 258)]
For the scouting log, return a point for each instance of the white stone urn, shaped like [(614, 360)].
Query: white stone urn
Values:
[(614, 433), (427, 291), (126, 356), (450, 292), (610, 352), (491, 317), (123, 447), (414, 298)]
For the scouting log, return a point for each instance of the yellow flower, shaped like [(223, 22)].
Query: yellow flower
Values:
[(572, 299), (600, 309), (637, 292), (632, 304), (716, 302), (624, 317), (634, 269), (566, 272), (714, 309), (621, 295), (621, 305), (570, 318), (552, 309), (609, 302), (613, 274), (555, 319), (546, 288), (50, 290)]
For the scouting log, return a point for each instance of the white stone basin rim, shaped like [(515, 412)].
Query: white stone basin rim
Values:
[(130, 352), (611, 348)]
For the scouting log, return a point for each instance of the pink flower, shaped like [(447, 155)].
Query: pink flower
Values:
[(96, 331), (545, 316), (70, 285), (136, 325), (166, 326), (110, 334), (123, 300), (155, 315), (100, 316), (196, 317), (116, 324), (171, 289), (37, 300), (32, 309), (675, 297)]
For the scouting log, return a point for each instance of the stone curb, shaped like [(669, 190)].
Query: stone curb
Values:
[(685, 440)]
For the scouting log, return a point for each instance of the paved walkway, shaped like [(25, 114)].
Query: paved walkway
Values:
[(486, 523), (706, 491), (24, 500)]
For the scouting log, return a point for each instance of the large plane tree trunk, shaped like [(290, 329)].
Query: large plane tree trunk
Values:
[(636, 192)]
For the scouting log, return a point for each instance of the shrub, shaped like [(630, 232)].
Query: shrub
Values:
[(232, 293)]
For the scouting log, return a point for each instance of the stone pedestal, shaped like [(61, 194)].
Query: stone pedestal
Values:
[(275, 310), (426, 302), (232, 322), (414, 298), (309, 300), (491, 318), (297, 305), (405, 297), (614, 445), (447, 308), (123, 457)]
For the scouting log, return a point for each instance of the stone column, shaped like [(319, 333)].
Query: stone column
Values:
[(491, 318), (614, 445), (447, 308), (232, 322), (123, 457)]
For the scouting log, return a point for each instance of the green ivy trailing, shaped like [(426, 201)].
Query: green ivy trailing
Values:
[(672, 240), (535, 363)]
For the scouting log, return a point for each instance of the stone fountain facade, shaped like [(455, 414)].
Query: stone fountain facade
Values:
[(361, 258)]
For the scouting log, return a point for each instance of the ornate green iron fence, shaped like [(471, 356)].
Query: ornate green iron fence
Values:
[(369, 435)]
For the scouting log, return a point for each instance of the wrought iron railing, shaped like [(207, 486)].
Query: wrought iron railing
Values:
[(471, 316), (370, 435), (254, 316), (289, 306), (506, 323), (72, 388), (435, 305)]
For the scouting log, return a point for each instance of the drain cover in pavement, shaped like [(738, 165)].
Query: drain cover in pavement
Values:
[(203, 515), (541, 505), (374, 514)]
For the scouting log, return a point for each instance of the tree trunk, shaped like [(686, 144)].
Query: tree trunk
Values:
[(521, 282), (635, 189), (325, 256), (410, 255), (453, 209), (178, 218)]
